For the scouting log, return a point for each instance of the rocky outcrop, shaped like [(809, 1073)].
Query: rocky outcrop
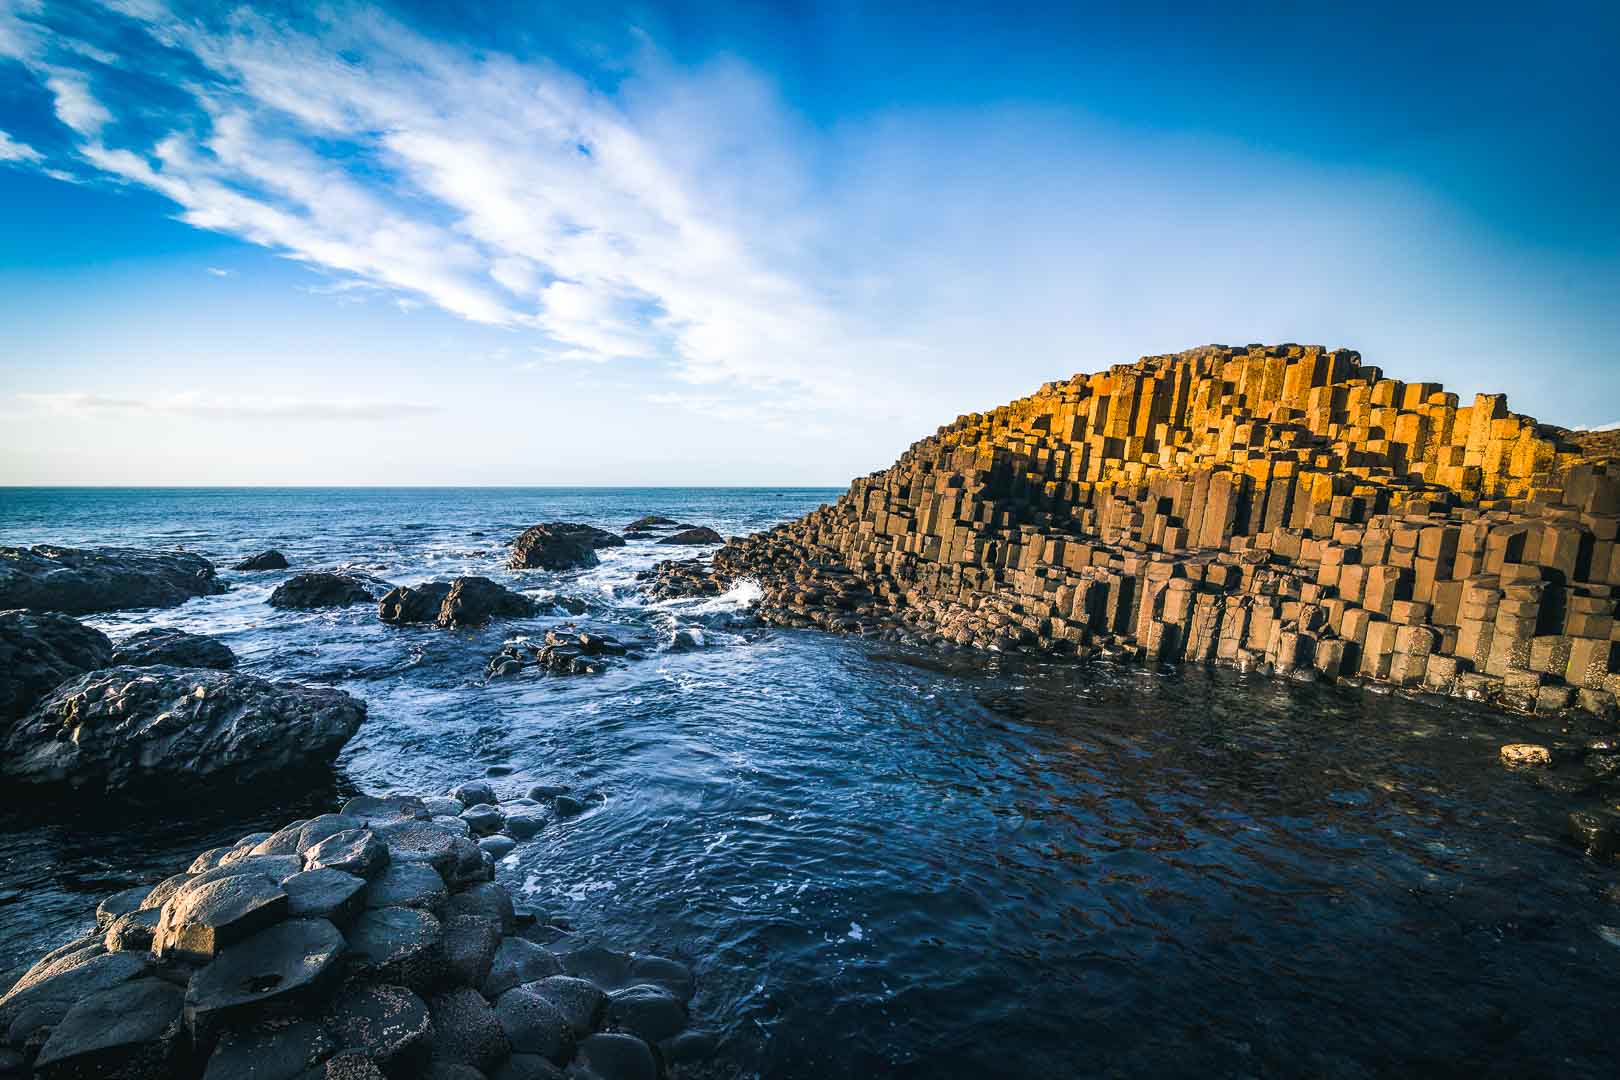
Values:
[(560, 653), (264, 560), (650, 523), (695, 535), (560, 545), (1283, 508), (288, 954), (38, 651), (173, 648), (324, 588), (81, 581), (464, 602), (161, 731)]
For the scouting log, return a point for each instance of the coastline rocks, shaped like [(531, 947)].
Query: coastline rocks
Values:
[(560, 654), (325, 588), (81, 581), (139, 730), (172, 648), (464, 602), (38, 651), (413, 603), (695, 535), (648, 524), (264, 560), (559, 545)]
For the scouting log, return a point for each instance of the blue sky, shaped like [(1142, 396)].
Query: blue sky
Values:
[(738, 244)]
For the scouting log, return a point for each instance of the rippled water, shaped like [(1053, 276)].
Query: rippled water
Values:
[(893, 861)]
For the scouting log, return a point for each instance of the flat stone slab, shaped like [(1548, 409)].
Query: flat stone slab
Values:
[(389, 1024), (488, 899), (358, 851), (205, 916), (67, 979), (377, 809), (275, 966), (399, 945), (408, 884), (127, 1030), (325, 894), (470, 942), (274, 1050)]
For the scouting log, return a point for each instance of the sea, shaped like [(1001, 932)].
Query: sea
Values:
[(884, 860)]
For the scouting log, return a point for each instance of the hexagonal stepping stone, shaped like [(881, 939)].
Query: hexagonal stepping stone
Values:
[(274, 867), (470, 942), (613, 1056), (484, 818), (465, 1030), (277, 967), (274, 1050), (209, 859), (120, 903), (287, 840), (163, 890), (325, 894), (405, 884), (422, 841), (454, 824), (130, 1030), (487, 899), (379, 809), (388, 1024), (319, 828), (649, 1011), (399, 945), (581, 1003), (358, 851), (442, 805), (517, 962), (63, 980), (534, 1025), (201, 919)]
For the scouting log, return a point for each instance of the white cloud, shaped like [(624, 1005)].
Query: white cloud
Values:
[(219, 271), (12, 150), (81, 404)]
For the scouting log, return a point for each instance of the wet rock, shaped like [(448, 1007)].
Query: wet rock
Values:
[(1596, 832), (473, 601), (559, 545), (498, 770), (359, 852), (442, 806), (161, 731), (204, 917), (41, 650), (604, 967), (264, 560), (408, 884), (581, 1003), (324, 588), (385, 809), (413, 604), (347, 1065), (701, 535), (547, 792), (64, 980), (388, 1024), (651, 1012), (470, 942), (689, 1047), (524, 822), (132, 1031), (672, 975), (499, 847), (559, 654), (567, 806), (1525, 755), (527, 1067), (80, 581), (134, 931), (465, 1030), (423, 841), (487, 899), (484, 819), (450, 1070), (273, 1050), (174, 648), (534, 1025), (517, 962), (281, 966), (648, 523), (399, 945), (325, 893), (320, 828), (612, 1056), (473, 793)]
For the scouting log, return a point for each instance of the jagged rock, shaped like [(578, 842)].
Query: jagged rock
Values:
[(168, 730), (650, 522), (413, 603), (325, 893), (388, 1024), (614, 1056), (465, 1030), (39, 651), (408, 884), (133, 931), (399, 945), (559, 545), (204, 916), (131, 1031), (534, 1025), (517, 962), (359, 852), (582, 1003), (173, 648), (473, 601), (264, 560), (81, 581), (701, 535), (561, 654), (325, 588), (272, 1050)]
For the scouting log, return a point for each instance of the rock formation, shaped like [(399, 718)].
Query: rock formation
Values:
[(327, 589), (559, 652), (38, 651), (698, 534), (172, 648), (264, 560), (79, 581), (1282, 507), (464, 602), (559, 545), (161, 730)]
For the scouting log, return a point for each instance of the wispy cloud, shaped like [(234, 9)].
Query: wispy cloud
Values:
[(12, 150), (219, 271), (82, 404)]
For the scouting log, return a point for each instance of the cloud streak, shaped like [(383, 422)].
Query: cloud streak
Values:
[(81, 404)]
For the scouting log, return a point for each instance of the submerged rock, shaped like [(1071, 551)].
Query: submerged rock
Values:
[(79, 581), (39, 651), (559, 545), (648, 524), (264, 560), (173, 648), (560, 653), (324, 588), (697, 535), (165, 731)]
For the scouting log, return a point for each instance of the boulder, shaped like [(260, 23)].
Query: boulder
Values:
[(131, 1031), (699, 535), (204, 916), (582, 1003), (357, 851), (651, 1012), (63, 979), (168, 731), (534, 1025), (288, 964), (399, 945), (173, 648), (413, 603), (560, 654), (651, 521), (264, 560), (39, 651), (272, 1050), (134, 931), (473, 601), (559, 545), (518, 961), (473, 793), (470, 942), (614, 1056), (488, 900), (324, 588), (408, 884), (325, 893), (79, 581), (389, 1024), (465, 1030)]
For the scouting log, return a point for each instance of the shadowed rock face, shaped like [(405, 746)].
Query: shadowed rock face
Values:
[(144, 730), (264, 560), (79, 581), (38, 650), (174, 648), (699, 535), (466, 601), (559, 545), (327, 589)]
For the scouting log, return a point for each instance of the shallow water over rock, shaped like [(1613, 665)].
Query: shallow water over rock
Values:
[(879, 859)]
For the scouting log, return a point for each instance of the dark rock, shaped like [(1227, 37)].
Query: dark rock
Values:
[(547, 792), (473, 601), (451, 1070), (517, 962), (442, 806), (399, 945), (324, 588), (484, 819), (388, 1024), (65, 979), (163, 731), (651, 521), (359, 852), (560, 653), (423, 841), (534, 1025), (274, 867), (612, 1056), (282, 966), (41, 650), (204, 916), (648, 1011), (273, 1050), (408, 604), (473, 793), (385, 809), (499, 847), (527, 1067), (582, 1003), (498, 770), (80, 581), (408, 884), (264, 560), (174, 648), (131, 1031), (465, 1030), (689, 1047), (604, 967), (1596, 832), (347, 1065), (470, 942), (133, 932), (672, 975), (559, 545), (701, 535), (489, 900), (325, 893), (567, 806)]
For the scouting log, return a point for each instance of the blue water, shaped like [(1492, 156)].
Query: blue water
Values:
[(883, 860)]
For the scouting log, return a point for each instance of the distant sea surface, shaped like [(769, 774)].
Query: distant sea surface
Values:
[(881, 860)]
